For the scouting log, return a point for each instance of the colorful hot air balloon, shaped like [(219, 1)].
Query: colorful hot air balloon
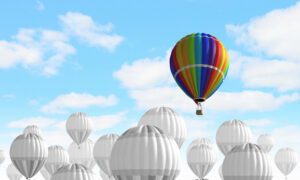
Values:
[(57, 157), (286, 160), (168, 120), (145, 153), (28, 153), (102, 151), (199, 63), (247, 162), (232, 133)]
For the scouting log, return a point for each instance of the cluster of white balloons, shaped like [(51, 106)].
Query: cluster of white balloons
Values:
[(243, 160), (149, 151)]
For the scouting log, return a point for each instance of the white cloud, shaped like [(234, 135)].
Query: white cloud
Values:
[(146, 73), (40, 6), (258, 122), (162, 96), (9, 96), (42, 49), (74, 100), (158, 90), (257, 72), (107, 121), (248, 101), (87, 30), (276, 33), (41, 122), (200, 128), (220, 101)]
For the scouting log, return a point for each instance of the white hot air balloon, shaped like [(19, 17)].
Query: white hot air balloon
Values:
[(13, 173), (28, 152), (201, 141), (220, 172), (265, 142), (168, 120), (57, 157), (201, 158), (2, 156), (247, 162), (286, 160), (82, 154), (45, 173), (104, 176), (73, 172), (79, 127), (145, 153), (232, 133), (33, 129), (102, 151)]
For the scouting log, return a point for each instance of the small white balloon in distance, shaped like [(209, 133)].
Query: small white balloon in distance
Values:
[(73, 172), (247, 162), (82, 154), (2, 156), (13, 173), (33, 129), (57, 157), (232, 133), (144, 153), (102, 151), (201, 141), (201, 158), (168, 120), (286, 160), (46, 175), (220, 172), (79, 127), (265, 142), (28, 152)]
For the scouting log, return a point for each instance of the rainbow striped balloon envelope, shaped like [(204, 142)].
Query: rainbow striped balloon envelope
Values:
[(199, 64)]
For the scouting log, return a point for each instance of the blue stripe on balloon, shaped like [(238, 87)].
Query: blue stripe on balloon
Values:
[(183, 87), (205, 53), (198, 57)]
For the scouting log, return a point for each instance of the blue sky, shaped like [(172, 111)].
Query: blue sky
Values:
[(110, 60)]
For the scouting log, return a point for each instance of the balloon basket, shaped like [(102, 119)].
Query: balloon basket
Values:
[(199, 112)]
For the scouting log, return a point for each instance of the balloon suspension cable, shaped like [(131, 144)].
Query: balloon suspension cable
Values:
[(199, 110), (286, 178)]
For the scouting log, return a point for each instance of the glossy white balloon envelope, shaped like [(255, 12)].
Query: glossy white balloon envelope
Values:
[(82, 154), (102, 151), (232, 133), (145, 153), (28, 152), (286, 160), (57, 157), (13, 173), (265, 142), (79, 127), (201, 158), (73, 172), (168, 120), (247, 162)]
